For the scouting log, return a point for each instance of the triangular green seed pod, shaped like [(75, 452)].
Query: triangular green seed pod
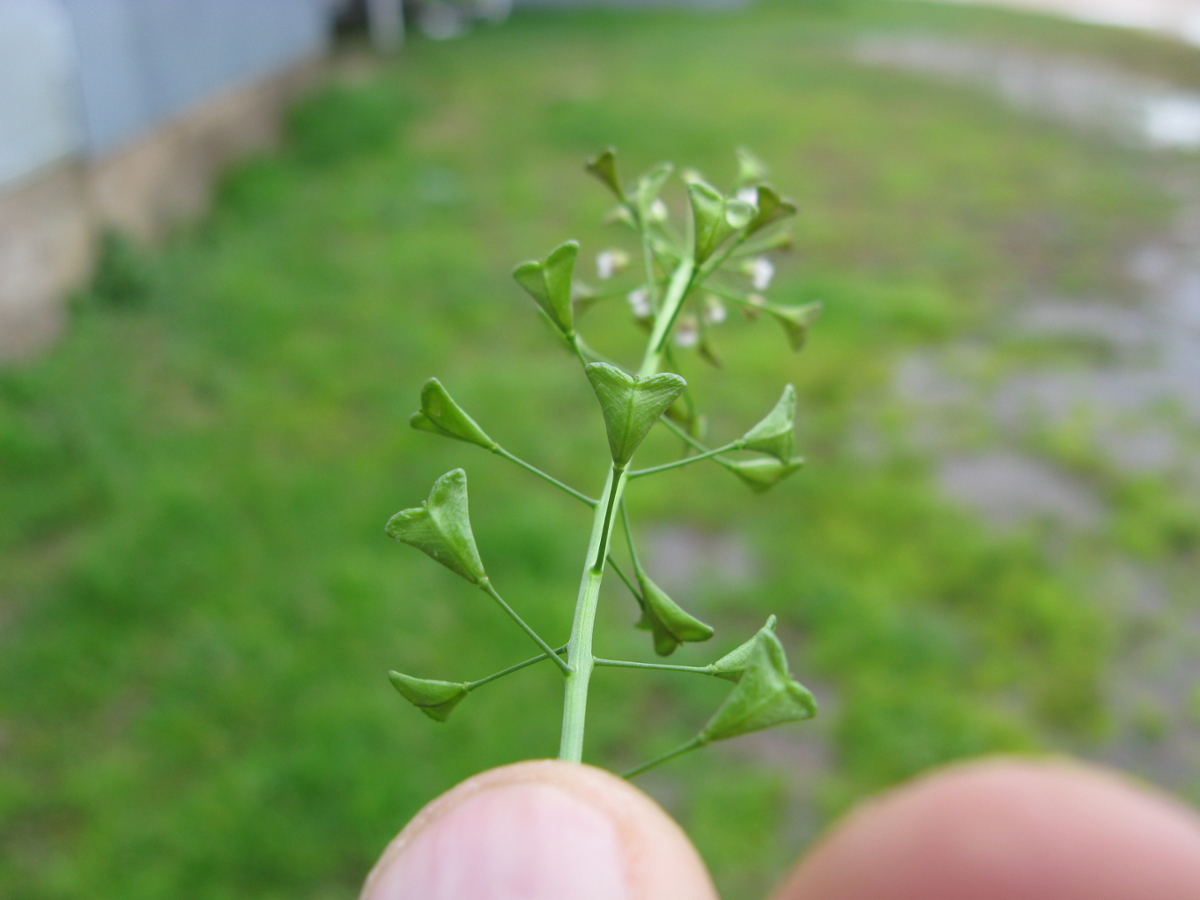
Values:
[(434, 698), (763, 697), (733, 664), (771, 209), (439, 414), (763, 474), (796, 321), (714, 217), (649, 186), (751, 169), (441, 527), (631, 405), (666, 620), (548, 281), (775, 434), (604, 167)]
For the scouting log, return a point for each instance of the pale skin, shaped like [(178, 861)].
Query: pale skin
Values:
[(997, 829)]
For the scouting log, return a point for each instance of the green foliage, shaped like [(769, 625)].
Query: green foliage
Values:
[(122, 275), (191, 567)]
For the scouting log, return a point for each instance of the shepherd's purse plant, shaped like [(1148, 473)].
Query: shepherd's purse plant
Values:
[(682, 286)]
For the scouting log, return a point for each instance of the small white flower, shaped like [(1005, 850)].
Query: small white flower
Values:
[(581, 290), (761, 271), (658, 211), (639, 302), (748, 195), (714, 310), (610, 263), (687, 332)]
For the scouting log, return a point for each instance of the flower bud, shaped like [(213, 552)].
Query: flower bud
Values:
[(775, 434), (796, 321), (666, 620), (434, 698), (733, 664), (631, 405), (548, 281), (763, 474), (439, 414), (441, 527), (604, 167), (765, 695)]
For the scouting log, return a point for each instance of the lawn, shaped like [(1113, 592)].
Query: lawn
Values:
[(198, 605)]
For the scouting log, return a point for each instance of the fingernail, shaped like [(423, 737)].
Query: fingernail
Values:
[(510, 842)]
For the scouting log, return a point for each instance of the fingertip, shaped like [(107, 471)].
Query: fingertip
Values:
[(1005, 828), (541, 829)]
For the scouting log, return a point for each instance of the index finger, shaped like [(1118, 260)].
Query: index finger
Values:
[(1009, 830)]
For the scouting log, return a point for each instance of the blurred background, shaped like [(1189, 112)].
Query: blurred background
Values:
[(236, 238)]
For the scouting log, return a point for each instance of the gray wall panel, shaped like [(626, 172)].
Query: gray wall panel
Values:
[(39, 104), (144, 61)]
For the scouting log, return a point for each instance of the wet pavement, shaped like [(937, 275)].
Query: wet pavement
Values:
[(1176, 18), (1132, 405)]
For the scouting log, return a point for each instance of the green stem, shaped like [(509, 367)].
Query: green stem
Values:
[(590, 355), (732, 295), (486, 586), (664, 320), (637, 566), (577, 348), (579, 649), (717, 260), (500, 451), (651, 284), (687, 460), (471, 685), (625, 578), (764, 245), (665, 667), (678, 751), (617, 477), (691, 441)]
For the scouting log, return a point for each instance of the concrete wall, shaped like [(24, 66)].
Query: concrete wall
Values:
[(627, 4), (39, 91), (142, 62), (120, 113)]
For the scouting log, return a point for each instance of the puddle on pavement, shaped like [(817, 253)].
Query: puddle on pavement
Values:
[(1084, 94)]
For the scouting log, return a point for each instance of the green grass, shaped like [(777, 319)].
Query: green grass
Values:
[(197, 601)]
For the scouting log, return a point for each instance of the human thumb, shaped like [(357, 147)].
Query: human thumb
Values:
[(541, 830)]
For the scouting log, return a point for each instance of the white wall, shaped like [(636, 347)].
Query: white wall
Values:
[(39, 101)]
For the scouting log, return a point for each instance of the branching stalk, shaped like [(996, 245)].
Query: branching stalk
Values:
[(678, 751), (471, 685), (528, 467), (665, 667), (486, 586), (579, 649), (687, 460)]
